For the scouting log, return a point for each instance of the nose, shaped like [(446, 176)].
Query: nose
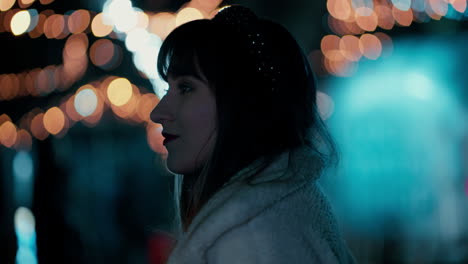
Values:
[(161, 112)]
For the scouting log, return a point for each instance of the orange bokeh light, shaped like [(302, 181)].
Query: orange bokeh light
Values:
[(8, 134), (79, 21), (349, 46), (76, 46), (385, 17), (329, 43), (162, 24), (155, 138), (6, 4), (46, 2), (54, 120), (339, 9), (459, 5), (403, 18), (338, 65), (98, 26), (370, 46), (37, 127), (128, 109), (39, 28), (146, 104), (367, 23), (25, 3), (101, 52)]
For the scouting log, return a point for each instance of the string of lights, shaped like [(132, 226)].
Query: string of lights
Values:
[(353, 22)]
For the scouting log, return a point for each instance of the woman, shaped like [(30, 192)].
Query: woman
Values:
[(241, 125)]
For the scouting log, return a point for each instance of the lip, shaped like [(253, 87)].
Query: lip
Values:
[(168, 137)]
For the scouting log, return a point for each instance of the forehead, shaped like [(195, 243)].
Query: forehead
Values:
[(185, 67)]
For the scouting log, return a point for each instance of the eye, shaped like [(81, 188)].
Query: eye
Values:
[(185, 88)]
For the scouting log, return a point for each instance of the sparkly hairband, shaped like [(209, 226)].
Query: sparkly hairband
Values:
[(243, 20)]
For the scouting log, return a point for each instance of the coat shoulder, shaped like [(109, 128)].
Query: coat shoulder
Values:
[(296, 228)]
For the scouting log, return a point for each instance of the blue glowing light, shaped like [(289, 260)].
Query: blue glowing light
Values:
[(86, 102), (26, 236), (398, 125), (23, 167)]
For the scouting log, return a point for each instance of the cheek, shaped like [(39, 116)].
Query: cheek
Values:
[(199, 137)]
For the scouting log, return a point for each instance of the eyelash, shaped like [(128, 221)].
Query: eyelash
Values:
[(183, 89)]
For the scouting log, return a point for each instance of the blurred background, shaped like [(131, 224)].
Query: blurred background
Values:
[(82, 175)]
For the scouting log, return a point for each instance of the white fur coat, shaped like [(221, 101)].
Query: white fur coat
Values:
[(281, 216)]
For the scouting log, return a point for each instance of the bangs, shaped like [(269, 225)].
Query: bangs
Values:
[(179, 53)]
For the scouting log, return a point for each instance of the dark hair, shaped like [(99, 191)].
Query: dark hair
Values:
[(257, 116)]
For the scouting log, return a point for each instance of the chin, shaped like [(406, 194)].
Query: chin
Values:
[(174, 166), (179, 167)]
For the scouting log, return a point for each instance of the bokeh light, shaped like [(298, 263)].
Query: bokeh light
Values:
[(349, 46), (75, 47), (37, 127), (121, 14), (329, 43), (155, 138), (79, 21), (440, 7), (370, 46), (403, 5), (339, 9), (146, 104), (99, 27), (8, 134), (24, 223), (325, 105), (46, 2), (459, 5), (119, 91), (128, 110), (23, 166), (38, 30), (54, 120), (403, 18), (162, 24), (6, 4), (188, 14), (20, 22), (25, 3), (367, 22), (385, 17), (137, 39), (86, 101), (23, 140), (105, 54)]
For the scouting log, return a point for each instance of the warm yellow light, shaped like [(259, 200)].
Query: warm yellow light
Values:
[(5, 5), (119, 91), (20, 22), (54, 120), (99, 28), (162, 24), (188, 14), (27, 2)]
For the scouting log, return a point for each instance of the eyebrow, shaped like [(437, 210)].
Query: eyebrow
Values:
[(186, 76)]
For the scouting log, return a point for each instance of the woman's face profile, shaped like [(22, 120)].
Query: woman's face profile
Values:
[(188, 116)]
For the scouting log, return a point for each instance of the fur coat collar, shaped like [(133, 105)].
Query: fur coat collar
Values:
[(280, 216)]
